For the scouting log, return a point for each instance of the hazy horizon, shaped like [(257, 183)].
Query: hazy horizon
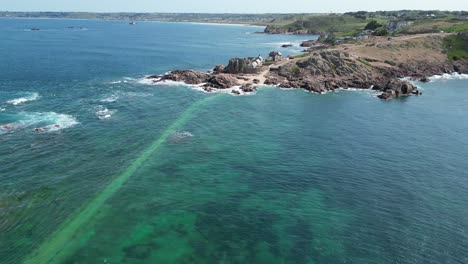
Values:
[(236, 7)]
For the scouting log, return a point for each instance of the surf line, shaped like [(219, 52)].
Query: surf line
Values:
[(66, 239)]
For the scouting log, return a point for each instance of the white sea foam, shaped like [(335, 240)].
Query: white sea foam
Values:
[(118, 95), (40, 122), (104, 113), (180, 136), (197, 87), (449, 76), (110, 99), (27, 98), (147, 81), (2, 109)]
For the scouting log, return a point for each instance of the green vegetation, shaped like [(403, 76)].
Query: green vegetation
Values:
[(364, 62), (298, 56), (436, 26), (325, 23), (456, 46), (295, 70), (381, 31), (373, 25), (389, 62), (457, 27), (331, 39)]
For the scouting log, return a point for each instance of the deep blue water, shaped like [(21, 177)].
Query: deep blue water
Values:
[(125, 172)]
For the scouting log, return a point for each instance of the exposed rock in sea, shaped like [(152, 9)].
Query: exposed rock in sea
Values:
[(186, 76), (396, 88), (308, 43), (286, 45), (248, 88), (222, 81)]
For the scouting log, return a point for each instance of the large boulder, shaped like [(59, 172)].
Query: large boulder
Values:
[(186, 76), (222, 81), (395, 88), (219, 68)]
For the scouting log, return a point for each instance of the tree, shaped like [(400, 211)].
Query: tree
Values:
[(381, 31), (372, 25)]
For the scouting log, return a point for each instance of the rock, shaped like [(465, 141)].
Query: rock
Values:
[(248, 88), (186, 76), (235, 92), (222, 81), (237, 65), (256, 81), (424, 79), (286, 45), (395, 88), (393, 26), (209, 89), (308, 43), (218, 68)]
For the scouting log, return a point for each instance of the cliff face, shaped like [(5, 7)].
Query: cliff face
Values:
[(325, 71)]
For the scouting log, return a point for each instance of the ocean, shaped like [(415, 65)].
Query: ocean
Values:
[(99, 166)]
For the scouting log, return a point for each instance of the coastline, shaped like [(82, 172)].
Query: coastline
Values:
[(138, 21), (370, 65)]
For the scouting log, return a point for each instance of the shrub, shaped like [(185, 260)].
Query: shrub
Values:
[(330, 39), (373, 25), (295, 70), (381, 31)]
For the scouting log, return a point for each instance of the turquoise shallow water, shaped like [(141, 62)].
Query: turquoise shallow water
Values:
[(166, 174)]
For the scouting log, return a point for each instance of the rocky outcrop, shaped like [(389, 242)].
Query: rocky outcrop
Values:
[(395, 88), (330, 70), (237, 65), (215, 80), (308, 43), (393, 26), (222, 81), (186, 76), (219, 69)]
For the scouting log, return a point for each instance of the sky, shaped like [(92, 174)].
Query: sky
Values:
[(230, 6)]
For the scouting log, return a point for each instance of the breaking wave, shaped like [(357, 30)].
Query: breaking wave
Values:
[(123, 95), (104, 113), (39, 122), (197, 87), (449, 76), (27, 98), (180, 136)]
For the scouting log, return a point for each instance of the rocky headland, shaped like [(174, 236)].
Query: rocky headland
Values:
[(379, 63)]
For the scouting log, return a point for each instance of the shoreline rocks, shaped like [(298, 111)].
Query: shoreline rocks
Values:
[(323, 71)]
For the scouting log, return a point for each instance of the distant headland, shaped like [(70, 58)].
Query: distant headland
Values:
[(377, 56)]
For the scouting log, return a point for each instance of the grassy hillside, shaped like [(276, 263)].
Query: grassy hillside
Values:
[(457, 46), (324, 23), (436, 25)]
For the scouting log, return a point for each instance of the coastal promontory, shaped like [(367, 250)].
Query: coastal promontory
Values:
[(378, 63)]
